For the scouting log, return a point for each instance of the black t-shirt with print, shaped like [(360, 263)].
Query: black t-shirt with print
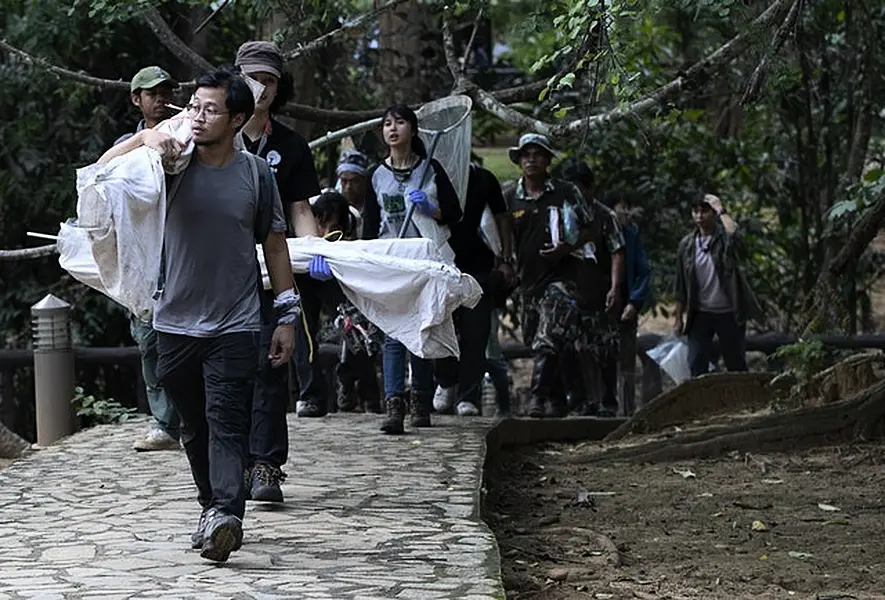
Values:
[(291, 162), (472, 255)]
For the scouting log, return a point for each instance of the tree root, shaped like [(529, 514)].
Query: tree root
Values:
[(610, 552), (710, 395), (858, 418)]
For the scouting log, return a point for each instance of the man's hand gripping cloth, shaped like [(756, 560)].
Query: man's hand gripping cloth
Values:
[(400, 285)]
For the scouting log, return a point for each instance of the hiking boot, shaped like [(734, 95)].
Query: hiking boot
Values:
[(156, 439), (444, 399), (310, 409), (264, 483), (396, 415), (419, 410), (536, 408), (222, 535), (347, 398), (467, 409), (198, 536)]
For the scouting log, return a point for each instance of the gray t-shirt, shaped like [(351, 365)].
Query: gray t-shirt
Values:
[(212, 275), (711, 293), (391, 192)]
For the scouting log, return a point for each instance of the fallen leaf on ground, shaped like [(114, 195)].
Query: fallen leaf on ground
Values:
[(759, 526), (800, 555), (686, 474), (829, 507), (705, 495), (772, 481)]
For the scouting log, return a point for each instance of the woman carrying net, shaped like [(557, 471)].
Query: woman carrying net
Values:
[(396, 185)]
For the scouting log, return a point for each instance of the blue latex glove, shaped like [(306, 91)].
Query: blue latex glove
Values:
[(422, 203), (320, 269)]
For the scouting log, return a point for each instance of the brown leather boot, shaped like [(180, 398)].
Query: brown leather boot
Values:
[(419, 410), (396, 415)]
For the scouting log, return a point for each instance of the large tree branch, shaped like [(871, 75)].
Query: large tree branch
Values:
[(74, 75), (698, 72), (24, 253), (757, 79), (167, 37), (298, 111), (355, 23)]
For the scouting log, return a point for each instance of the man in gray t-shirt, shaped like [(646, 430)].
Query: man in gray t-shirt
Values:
[(207, 312)]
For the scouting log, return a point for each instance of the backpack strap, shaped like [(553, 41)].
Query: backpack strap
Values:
[(173, 183)]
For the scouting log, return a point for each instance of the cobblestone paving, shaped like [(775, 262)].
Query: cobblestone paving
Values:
[(366, 516)]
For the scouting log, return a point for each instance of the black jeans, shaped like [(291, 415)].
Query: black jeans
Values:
[(210, 382), (732, 341), (269, 436), (473, 326), (315, 295)]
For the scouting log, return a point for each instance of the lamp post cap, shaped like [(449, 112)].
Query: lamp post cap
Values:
[(51, 302)]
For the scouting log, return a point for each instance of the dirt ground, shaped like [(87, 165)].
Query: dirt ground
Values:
[(804, 525)]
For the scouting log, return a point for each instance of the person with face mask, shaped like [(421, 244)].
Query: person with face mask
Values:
[(291, 162)]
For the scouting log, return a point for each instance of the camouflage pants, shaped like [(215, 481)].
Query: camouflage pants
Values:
[(554, 323)]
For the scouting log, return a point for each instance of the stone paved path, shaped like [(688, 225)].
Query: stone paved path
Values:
[(367, 516)]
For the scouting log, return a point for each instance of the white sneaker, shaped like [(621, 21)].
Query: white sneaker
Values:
[(156, 439), (467, 409), (444, 399)]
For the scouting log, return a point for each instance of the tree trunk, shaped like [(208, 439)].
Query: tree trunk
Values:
[(11, 445), (412, 66)]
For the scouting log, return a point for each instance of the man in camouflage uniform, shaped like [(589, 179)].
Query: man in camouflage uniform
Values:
[(563, 300), (604, 263)]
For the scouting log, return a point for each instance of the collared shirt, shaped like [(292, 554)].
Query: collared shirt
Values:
[(126, 136), (291, 162), (531, 232)]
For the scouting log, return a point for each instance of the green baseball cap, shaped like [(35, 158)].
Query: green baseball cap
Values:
[(150, 77)]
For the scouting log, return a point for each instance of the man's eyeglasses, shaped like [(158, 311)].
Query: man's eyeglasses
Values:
[(209, 112)]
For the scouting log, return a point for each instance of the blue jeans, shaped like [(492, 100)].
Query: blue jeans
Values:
[(161, 409), (395, 371)]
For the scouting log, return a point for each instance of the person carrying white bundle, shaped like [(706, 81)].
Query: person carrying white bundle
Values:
[(207, 311), (395, 184)]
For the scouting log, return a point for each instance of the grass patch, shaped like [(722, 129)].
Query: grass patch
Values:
[(497, 161)]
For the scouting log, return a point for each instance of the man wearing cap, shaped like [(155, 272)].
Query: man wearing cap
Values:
[(151, 91), (291, 162), (352, 171), (711, 290), (558, 294)]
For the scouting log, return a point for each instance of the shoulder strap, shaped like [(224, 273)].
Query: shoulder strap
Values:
[(173, 184), (263, 182)]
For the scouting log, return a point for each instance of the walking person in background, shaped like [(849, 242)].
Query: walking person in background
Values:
[(356, 374), (151, 91), (636, 295), (207, 311), (291, 162), (603, 271), (460, 380), (713, 296), (395, 186), (353, 181), (562, 303)]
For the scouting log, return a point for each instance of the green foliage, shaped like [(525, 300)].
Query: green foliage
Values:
[(804, 358), (99, 411)]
